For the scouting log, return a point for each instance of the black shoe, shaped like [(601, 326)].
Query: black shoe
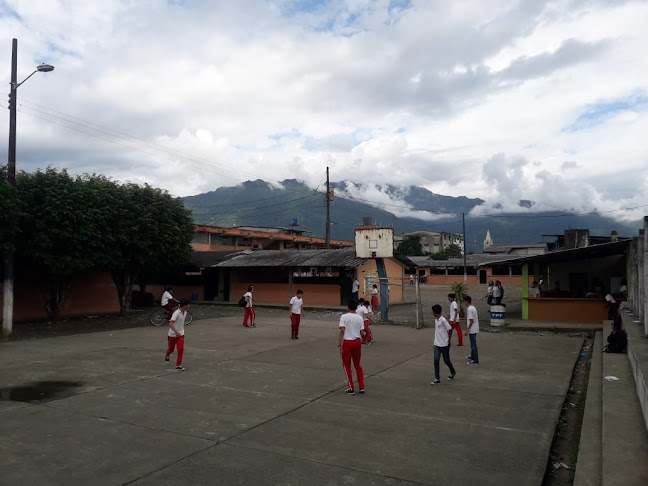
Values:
[(435, 382), (166, 357), (451, 377), (179, 368), (361, 390), (349, 392), (472, 361), (296, 337), (469, 357)]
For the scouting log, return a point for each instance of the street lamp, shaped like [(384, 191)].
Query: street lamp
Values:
[(8, 290)]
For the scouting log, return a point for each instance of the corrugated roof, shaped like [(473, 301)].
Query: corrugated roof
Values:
[(592, 251), (474, 260), (344, 257), (204, 259)]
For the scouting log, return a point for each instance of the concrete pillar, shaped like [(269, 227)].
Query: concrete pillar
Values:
[(637, 309), (644, 277), (525, 291), (633, 287)]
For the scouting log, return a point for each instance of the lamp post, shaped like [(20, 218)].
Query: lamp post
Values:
[(8, 290)]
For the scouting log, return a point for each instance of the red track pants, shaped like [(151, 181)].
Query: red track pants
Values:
[(295, 319), (179, 341), (455, 325), (367, 336), (251, 315), (352, 350)]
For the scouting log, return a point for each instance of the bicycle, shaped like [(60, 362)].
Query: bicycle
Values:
[(159, 317)]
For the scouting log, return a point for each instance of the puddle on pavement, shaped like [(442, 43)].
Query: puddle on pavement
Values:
[(41, 391)]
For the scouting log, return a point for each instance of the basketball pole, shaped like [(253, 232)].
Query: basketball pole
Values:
[(384, 289)]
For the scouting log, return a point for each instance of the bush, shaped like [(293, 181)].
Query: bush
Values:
[(142, 299)]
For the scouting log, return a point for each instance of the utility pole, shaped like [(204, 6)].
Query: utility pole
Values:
[(463, 224), (328, 210), (8, 289)]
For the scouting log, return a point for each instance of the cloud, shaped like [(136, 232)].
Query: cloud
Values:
[(191, 96)]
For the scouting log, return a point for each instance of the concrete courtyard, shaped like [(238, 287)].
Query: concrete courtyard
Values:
[(257, 408)]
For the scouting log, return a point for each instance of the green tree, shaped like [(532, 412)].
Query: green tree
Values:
[(8, 213), (452, 251), (410, 246), (152, 231), (62, 222), (73, 224)]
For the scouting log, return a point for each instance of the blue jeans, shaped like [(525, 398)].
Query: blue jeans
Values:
[(474, 354), (445, 352)]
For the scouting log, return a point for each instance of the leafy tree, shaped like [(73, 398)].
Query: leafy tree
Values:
[(73, 224), (63, 219), (152, 231), (410, 246), (8, 213), (452, 251)]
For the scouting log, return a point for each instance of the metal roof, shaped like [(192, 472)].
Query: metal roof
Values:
[(585, 253), (475, 260), (344, 257), (204, 259)]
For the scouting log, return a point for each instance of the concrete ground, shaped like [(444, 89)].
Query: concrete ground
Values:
[(255, 407)]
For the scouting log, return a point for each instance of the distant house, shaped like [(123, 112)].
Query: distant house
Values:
[(434, 241), (516, 250), (324, 275), (219, 238)]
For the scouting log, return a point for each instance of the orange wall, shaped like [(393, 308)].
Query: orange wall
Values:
[(93, 293), (567, 310), (279, 293), (179, 291), (394, 275)]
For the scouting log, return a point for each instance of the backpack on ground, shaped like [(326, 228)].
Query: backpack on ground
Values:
[(243, 302), (617, 342)]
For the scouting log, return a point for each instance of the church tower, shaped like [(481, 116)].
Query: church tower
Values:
[(488, 241)]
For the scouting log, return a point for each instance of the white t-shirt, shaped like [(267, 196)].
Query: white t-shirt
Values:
[(489, 290), (454, 311), (375, 291), (248, 297), (361, 311), (166, 297), (352, 323), (441, 328), (609, 299), (471, 313), (178, 319), (497, 291), (534, 292), (297, 304), (356, 286)]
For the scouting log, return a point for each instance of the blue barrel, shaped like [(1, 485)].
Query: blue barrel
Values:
[(497, 315), (194, 297)]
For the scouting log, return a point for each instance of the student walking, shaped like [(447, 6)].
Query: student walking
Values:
[(453, 319), (442, 331), (364, 311), (250, 314), (296, 308), (350, 347), (375, 303), (175, 336), (472, 320)]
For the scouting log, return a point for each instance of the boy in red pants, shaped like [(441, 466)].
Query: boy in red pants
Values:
[(453, 320), (175, 336), (350, 347)]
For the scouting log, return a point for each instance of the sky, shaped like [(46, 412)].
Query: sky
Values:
[(505, 100)]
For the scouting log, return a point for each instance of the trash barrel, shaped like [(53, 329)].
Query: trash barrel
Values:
[(497, 315), (194, 297)]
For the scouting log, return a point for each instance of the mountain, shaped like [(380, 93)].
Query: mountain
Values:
[(259, 203)]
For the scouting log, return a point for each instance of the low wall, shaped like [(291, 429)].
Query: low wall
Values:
[(278, 293), (566, 309), (638, 357)]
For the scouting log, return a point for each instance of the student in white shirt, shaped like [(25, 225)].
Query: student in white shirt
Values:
[(175, 336), (364, 311), (534, 291), (296, 308), (350, 347), (472, 323), (249, 308), (168, 301), (441, 344), (453, 319)]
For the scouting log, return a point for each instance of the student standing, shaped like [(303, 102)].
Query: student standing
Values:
[(175, 336), (296, 308), (498, 292), (489, 292), (472, 320), (355, 289), (350, 347), (250, 314), (453, 319), (441, 344), (375, 303), (364, 311)]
